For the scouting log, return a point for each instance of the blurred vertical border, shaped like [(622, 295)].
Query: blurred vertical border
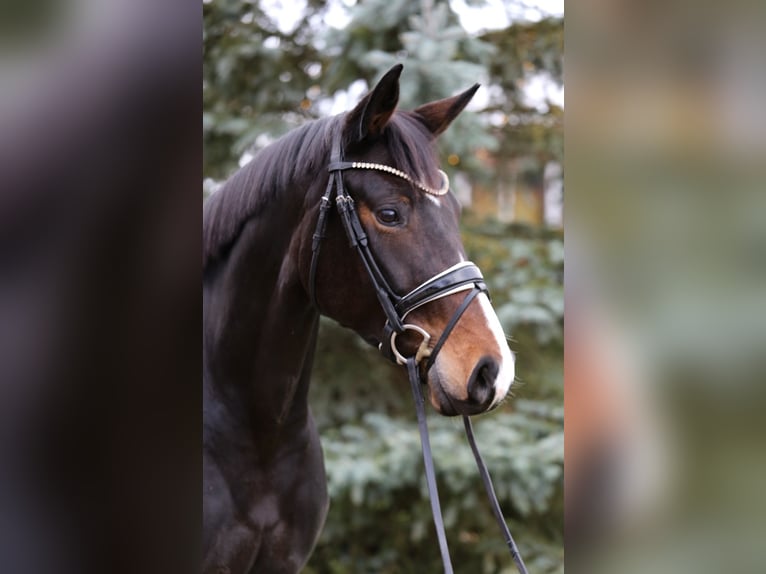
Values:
[(100, 212), (665, 283)]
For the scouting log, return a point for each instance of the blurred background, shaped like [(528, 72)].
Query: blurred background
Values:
[(665, 287), (268, 67), (100, 216)]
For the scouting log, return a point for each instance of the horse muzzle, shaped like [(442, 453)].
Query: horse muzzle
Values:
[(451, 394)]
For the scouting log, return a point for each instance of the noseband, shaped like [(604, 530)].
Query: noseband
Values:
[(464, 276)]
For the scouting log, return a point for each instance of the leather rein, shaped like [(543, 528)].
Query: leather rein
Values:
[(464, 276)]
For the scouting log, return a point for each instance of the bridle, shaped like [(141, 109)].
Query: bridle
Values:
[(464, 276)]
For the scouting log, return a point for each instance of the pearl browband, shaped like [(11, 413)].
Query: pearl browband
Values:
[(393, 171)]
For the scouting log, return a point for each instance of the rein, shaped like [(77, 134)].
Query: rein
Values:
[(464, 276)]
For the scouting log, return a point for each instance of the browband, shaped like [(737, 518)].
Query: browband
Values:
[(342, 165)]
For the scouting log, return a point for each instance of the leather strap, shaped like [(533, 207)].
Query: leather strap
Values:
[(433, 492), (493, 498), (316, 243), (464, 276), (356, 236), (414, 377), (336, 155), (451, 325)]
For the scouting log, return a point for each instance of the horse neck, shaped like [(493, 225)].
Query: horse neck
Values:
[(259, 325)]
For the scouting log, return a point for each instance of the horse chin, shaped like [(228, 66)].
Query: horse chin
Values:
[(446, 404)]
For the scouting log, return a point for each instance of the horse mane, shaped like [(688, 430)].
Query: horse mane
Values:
[(304, 150)]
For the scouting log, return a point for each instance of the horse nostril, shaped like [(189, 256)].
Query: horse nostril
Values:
[(481, 385)]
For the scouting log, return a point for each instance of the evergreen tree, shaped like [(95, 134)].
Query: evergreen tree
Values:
[(439, 57), (258, 80)]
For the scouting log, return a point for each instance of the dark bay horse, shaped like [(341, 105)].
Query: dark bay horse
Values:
[(265, 497)]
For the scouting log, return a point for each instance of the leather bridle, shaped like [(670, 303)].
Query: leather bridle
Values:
[(461, 277), (464, 276)]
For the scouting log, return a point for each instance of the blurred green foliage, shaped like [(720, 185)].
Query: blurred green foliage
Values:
[(261, 79)]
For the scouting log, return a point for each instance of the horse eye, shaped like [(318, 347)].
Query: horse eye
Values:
[(388, 216)]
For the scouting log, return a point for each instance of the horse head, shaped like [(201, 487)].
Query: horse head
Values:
[(410, 223)]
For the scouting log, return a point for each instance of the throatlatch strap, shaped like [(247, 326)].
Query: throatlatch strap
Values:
[(492, 497), (433, 492), (324, 207), (316, 241)]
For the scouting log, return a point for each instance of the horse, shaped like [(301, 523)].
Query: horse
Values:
[(275, 257)]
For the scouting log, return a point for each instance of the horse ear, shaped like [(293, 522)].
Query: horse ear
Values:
[(371, 115), (438, 115)]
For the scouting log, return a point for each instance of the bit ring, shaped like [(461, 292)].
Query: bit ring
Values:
[(423, 350)]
